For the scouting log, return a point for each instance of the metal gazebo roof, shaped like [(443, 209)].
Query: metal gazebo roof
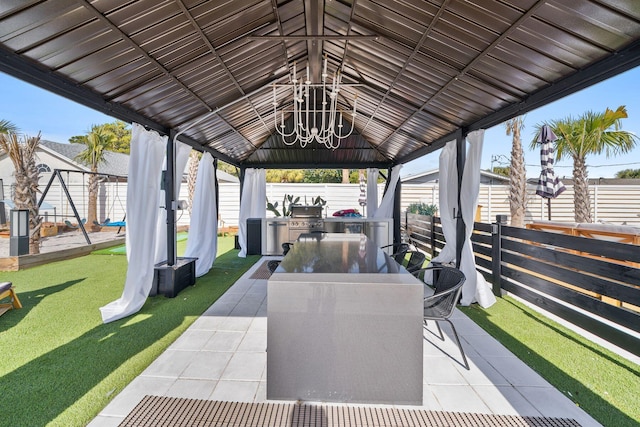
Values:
[(424, 70)]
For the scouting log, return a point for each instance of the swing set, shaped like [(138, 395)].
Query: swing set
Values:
[(57, 173)]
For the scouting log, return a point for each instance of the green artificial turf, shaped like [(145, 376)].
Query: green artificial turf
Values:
[(122, 249), (60, 365), (601, 382)]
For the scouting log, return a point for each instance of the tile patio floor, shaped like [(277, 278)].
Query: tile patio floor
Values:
[(222, 357)]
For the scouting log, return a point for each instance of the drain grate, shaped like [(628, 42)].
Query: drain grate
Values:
[(156, 411)]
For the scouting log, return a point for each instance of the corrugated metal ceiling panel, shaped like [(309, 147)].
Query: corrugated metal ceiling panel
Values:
[(436, 65)]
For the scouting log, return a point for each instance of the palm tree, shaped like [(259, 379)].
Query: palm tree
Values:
[(98, 141), (22, 152), (517, 173), (591, 133), (6, 126)]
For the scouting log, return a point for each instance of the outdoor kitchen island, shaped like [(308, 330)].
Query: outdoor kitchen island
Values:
[(344, 324)]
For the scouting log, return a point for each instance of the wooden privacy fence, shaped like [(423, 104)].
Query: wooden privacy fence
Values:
[(592, 283)]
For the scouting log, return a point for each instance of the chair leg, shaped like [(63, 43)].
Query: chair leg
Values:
[(455, 334), (14, 299)]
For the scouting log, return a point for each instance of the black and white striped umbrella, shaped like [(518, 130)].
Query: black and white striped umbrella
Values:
[(549, 185)]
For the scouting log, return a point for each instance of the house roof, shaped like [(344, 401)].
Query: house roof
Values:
[(486, 177), (114, 164), (425, 71)]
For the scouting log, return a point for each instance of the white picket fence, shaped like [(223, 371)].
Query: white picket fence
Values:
[(616, 204)]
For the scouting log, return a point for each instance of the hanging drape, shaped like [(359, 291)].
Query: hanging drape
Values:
[(385, 210), (448, 201), (253, 203), (372, 192), (182, 152), (203, 228), (475, 288), (145, 171)]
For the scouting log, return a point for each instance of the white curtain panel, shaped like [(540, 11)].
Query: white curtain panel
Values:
[(253, 203), (372, 192), (385, 210), (475, 288), (182, 152), (203, 228), (448, 201), (145, 170)]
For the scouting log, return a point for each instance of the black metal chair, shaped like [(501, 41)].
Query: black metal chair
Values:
[(399, 251), (416, 260), (286, 247), (440, 305), (272, 265)]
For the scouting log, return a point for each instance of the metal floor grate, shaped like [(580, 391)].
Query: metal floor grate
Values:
[(261, 272), (156, 411)]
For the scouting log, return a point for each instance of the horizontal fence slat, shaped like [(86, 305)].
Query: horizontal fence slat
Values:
[(596, 327), (597, 276), (621, 316)]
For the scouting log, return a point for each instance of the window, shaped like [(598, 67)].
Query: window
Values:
[(42, 168)]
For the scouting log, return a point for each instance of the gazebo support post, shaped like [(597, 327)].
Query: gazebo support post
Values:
[(175, 274), (169, 203), (460, 161), (397, 236)]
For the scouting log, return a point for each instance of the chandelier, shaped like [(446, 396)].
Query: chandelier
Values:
[(313, 121)]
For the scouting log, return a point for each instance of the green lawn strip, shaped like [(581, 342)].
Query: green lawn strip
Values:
[(601, 382), (61, 364), (122, 250)]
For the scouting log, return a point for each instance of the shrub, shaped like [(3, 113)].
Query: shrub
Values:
[(423, 209)]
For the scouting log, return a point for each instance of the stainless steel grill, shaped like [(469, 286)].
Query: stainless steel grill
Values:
[(305, 219)]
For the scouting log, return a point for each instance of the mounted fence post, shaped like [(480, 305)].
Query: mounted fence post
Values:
[(496, 252), (432, 236)]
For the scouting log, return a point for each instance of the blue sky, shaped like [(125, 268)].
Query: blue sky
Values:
[(35, 110)]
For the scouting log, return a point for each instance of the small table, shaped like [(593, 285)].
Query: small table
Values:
[(344, 324)]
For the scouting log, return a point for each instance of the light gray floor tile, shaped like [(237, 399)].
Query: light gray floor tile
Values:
[(440, 370), (241, 323), (259, 288), (551, 403), (237, 371), (221, 309), (104, 421), (457, 398), (171, 363), (230, 297), (482, 373), (254, 341), (429, 401), (505, 400), (208, 322), (434, 346), (245, 366), (192, 389), (517, 372), (224, 341), (240, 391), (207, 365), (259, 324), (261, 394), (262, 311), (142, 386), (246, 308), (487, 346), (192, 339)]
